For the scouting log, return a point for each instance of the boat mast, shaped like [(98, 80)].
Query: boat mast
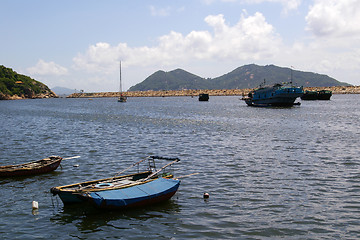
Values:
[(120, 81), (121, 97)]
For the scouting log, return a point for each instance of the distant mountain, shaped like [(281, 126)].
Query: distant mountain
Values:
[(247, 76), (18, 86), (175, 80), (62, 90), (250, 76)]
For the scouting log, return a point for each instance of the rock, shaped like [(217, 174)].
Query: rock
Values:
[(218, 92)]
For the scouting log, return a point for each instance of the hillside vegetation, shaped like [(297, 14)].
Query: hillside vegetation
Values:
[(248, 76), (18, 86)]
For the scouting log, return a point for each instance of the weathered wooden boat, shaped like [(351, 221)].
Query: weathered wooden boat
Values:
[(203, 97), (281, 95), (317, 95), (31, 168), (126, 191)]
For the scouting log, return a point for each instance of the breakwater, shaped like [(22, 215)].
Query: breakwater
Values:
[(191, 92)]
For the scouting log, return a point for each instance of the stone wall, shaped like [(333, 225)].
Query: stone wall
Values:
[(221, 92)]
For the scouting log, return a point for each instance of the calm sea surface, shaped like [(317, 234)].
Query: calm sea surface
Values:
[(272, 173)]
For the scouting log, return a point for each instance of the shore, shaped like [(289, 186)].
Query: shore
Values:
[(34, 96), (221, 92)]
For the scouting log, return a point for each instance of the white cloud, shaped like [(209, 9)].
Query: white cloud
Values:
[(160, 12), (288, 5), (100, 57), (334, 47), (47, 68), (251, 38), (334, 18)]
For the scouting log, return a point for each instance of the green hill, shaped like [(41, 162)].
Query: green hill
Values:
[(247, 76), (17, 86), (175, 80), (250, 76)]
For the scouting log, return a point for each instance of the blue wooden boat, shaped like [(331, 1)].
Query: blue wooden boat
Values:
[(125, 191), (278, 95)]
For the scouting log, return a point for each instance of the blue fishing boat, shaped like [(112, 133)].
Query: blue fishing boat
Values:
[(278, 95), (125, 191)]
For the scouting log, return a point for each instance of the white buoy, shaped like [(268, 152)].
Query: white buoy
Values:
[(76, 165), (206, 195), (35, 205)]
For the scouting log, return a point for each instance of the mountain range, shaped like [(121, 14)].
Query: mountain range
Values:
[(247, 76)]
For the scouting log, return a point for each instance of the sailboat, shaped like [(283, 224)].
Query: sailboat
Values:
[(121, 98)]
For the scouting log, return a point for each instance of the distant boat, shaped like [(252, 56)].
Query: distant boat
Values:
[(31, 168), (203, 97), (317, 95), (282, 95), (119, 192), (121, 98)]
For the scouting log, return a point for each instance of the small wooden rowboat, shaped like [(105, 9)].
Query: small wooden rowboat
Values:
[(32, 168), (119, 192)]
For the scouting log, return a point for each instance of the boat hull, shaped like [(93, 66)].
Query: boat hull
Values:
[(317, 95), (309, 95), (276, 96), (156, 191), (275, 102), (122, 99), (203, 97), (71, 198), (32, 168)]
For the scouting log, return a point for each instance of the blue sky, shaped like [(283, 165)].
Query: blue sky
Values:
[(78, 44)]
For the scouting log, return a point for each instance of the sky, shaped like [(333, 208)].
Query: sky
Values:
[(79, 44)]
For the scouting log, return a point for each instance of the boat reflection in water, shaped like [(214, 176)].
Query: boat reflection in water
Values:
[(278, 95)]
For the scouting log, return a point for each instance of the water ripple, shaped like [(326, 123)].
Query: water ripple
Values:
[(272, 173)]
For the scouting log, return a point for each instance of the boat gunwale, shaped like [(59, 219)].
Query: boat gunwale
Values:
[(63, 189)]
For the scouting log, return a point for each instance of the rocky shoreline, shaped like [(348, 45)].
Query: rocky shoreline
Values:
[(32, 96), (222, 92)]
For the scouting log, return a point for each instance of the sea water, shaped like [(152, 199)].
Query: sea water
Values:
[(271, 173)]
